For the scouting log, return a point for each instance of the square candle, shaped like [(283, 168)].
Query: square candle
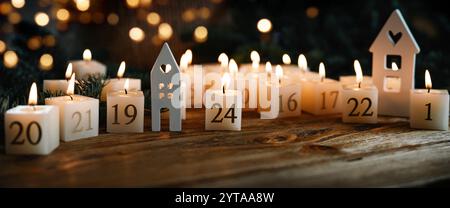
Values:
[(428, 109), (290, 100), (31, 130), (125, 112), (223, 110), (78, 116), (359, 103), (321, 97)]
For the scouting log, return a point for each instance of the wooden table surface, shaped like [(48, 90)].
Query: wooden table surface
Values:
[(307, 151)]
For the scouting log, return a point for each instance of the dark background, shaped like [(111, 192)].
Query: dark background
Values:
[(335, 32)]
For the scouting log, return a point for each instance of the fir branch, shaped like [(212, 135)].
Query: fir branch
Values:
[(91, 87)]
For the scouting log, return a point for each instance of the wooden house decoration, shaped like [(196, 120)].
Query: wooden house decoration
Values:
[(165, 90), (393, 64)]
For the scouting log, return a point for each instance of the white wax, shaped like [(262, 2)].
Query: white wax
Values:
[(268, 100), (31, 130), (321, 98), (117, 84), (78, 117), (290, 100), (56, 86), (83, 69), (125, 112), (223, 111), (359, 105), (429, 110), (351, 79)]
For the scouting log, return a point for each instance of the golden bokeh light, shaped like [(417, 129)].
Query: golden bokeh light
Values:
[(49, 41), (82, 5), (200, 34), (132, 3), (85, 18), (5, 8), (2, 46), (112, 19), (10, 59), (136, 34), (204, 13), (165, 31), (46, 62), (18, 3), (153, 18), (34, 43), (62, 15), (41, 19), (188, 15), (146, 3), (264, 25), (14, 18), (312, 12)]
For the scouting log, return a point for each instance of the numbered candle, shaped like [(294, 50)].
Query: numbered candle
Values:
[(78, 114), (32, 129), (88, 67), (223, 108), (125, 110), (429, 108), (320, 96), (117, 83), (290, 95), (359, 101), (268, 94), (58, 86)]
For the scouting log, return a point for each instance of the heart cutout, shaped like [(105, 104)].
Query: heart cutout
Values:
[(394, 38), (166, 68)]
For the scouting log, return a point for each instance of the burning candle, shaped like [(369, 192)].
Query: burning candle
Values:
[(125, 110), (223, 108), (320, 95), (360, 100), (268, 94), (32, 128), (78, 114), (88, 67), (429, 108), (116, 84), (58, 86), (290, 95)]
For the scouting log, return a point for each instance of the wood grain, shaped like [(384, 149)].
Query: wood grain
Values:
[(307, 151)]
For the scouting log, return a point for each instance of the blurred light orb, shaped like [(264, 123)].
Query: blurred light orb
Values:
[(82, 5), (41, 19), (112, 19), (165, 31), (46, 62), (49, 41), (200, 34), (264, 25), (85, 18), (132, 3), (188, 15), (10, 59), (63, 15), (136, 34), (146, 3), (34, 43), (312, 12), (5, 8), (204, 12), (2, 46), (18, 3), (153, 18), (14, 18)]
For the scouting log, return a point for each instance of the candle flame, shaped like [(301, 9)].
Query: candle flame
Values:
[(358, 71), (87, 55), (428, 83), (233, 67), (279, 72), (126, 85), (121, 70), (286, 59), (302, 63), (188, 54), (32, 98), (394, 66), (184, 63), (226, 80), (254, 56), (68, 71), (255, 65), (322, 71), (71, 86), (268, 67), (223, 59)]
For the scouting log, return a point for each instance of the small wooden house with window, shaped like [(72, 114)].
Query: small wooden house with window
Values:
[(165, 90), (393, 64)]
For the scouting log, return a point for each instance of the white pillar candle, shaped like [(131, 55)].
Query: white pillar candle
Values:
[(360, 100), (125, 111), (58, 86), (321, 96), (78, 114), (223, 108), (350, 79), (290, 95), (88, 67), (429, 108), (268, 94), (118, 83), (32, 129)]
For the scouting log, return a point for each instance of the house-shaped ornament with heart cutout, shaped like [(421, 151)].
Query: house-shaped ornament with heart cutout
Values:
[(393, 64), (165, 90)]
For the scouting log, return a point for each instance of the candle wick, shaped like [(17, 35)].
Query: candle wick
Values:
[(126, 91), (71, 98), (223, 89), (359, 84), (429, 89)]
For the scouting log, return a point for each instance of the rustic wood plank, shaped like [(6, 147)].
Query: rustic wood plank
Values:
[(309, 151)]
